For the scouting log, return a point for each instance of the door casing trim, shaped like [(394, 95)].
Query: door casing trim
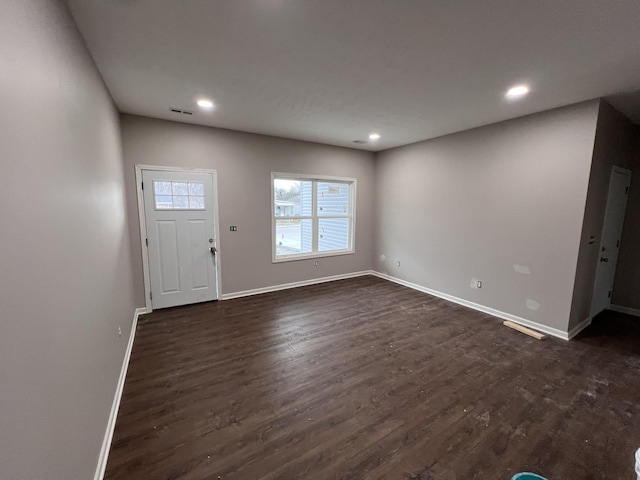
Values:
[(143, 224)]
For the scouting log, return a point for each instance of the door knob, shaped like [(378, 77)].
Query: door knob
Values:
[(213, 250), (603, 259)]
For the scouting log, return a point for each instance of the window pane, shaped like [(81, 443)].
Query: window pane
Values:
[(180, 201), (164, 202), (293, 237), (333, 198), (196, 203), (333, 234), (179, 188), (196, 189), (292, 198), (162, 188)]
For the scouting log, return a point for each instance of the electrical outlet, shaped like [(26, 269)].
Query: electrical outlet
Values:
[(478, 284), (317, 263), (233, 228), (398, 263), (119, 331)]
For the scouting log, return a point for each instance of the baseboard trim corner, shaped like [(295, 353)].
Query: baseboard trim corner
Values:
[(286, 286), (578, 328), (113, 415), (476, 306), (629, 311)]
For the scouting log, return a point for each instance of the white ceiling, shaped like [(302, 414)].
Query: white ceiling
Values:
[(332, 71)]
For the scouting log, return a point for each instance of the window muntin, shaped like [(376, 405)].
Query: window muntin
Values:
[(178, 195), (311, 216)]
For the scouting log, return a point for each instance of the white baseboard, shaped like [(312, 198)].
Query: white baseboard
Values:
[(578, 328), (481, 308), (475, 306), (111, 424), (286, 286), (629, 311)]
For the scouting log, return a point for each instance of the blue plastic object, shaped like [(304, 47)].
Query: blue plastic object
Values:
[(527, 476)]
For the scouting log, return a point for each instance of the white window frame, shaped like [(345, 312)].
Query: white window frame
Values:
[(314, 217)]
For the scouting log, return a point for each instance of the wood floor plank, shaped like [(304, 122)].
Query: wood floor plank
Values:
[(366, 379)]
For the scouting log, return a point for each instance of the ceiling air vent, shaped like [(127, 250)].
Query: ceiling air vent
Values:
[(360, 142), (179, 110)]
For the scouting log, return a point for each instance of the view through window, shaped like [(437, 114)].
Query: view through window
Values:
[(312, 216)]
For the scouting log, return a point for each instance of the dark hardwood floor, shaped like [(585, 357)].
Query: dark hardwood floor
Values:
[(364, 378)]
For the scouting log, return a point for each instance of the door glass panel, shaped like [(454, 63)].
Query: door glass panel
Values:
[(196, 189), (163, 188), (164, 202), (179, 188), (179, 195), (180, 201), (196, 203)]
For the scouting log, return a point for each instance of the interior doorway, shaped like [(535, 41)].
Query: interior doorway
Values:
[(610, 240)]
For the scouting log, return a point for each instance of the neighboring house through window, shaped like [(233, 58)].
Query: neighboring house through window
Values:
[(312, 216)]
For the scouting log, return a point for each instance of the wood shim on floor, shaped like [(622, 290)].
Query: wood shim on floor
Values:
[(528, 331)]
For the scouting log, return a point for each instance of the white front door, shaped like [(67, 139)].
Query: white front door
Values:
[(610, 241), (180, 236)]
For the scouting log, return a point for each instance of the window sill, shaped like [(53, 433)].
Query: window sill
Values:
[(311, 256)]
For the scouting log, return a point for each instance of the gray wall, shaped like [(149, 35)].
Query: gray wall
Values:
[(244, 163), (476, 203), (613, 146), (66, 281), (626, 289)]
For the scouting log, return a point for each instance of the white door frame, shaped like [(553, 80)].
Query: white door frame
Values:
[(143, 224)]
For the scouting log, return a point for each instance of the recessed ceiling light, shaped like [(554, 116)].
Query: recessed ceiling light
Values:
[(204, 103), (517, 91), (374, 136)]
